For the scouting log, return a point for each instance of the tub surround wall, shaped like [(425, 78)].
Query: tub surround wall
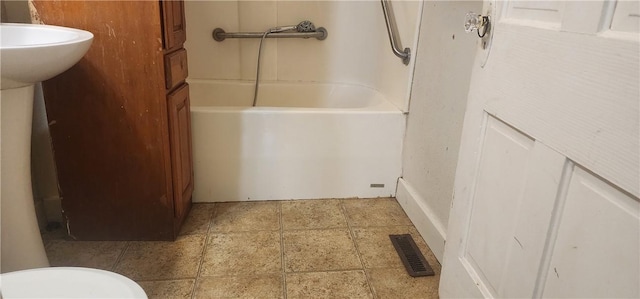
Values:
[(356, 51), (438, 102)]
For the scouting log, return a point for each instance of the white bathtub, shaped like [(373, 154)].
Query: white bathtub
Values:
[(302, 141)]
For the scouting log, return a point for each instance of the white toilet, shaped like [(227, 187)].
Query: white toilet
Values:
[(67, 282)]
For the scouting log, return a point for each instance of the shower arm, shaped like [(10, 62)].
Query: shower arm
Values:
[(392, 30), (219, 34)]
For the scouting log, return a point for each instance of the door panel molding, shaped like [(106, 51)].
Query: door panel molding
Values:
[(626, 17), (593, 110), (598, 240), (552, 230), (502, 172), (511, 208)]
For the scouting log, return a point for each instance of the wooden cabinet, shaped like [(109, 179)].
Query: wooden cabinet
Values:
[(120, 120), (180, 138)]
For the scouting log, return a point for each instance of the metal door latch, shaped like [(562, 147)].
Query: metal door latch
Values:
[(483, 25), (475, 22)]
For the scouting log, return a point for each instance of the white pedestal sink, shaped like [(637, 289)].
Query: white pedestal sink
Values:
[(28, 54)]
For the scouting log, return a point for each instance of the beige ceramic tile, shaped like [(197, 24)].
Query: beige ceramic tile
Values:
[(375, 212), (242, 253), (148, 260), (245, 216), (319, 250), (91, 254), (376, 249), (396, 283), (224, 58), (256, 257), (168, 288), (342, 284), (197, 221), (262, 286), (312, 214)]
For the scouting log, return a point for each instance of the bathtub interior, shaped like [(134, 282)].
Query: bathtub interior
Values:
[(228, 93)]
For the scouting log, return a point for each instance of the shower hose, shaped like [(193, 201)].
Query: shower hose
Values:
[(255, 90), (304, 26)]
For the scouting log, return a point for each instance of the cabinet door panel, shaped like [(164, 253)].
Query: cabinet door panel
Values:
[(175, 65), (181, 158), (175, 31)]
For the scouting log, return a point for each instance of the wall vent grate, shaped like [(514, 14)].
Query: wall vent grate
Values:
[(411, 257)]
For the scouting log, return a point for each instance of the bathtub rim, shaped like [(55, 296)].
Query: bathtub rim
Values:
[(382, 105)]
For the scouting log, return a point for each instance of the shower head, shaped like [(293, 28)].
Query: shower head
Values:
[(304, 26)]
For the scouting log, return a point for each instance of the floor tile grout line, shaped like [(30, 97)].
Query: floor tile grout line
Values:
[(316, 228), (282, 255), (164, 279), (326, 271), (204, 250), (243, 231), (121, 255), (383, 226), (264, 274), (355, 244), (347, 227)]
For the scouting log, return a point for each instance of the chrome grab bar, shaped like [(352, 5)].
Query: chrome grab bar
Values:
[(392, 30), (219, 34)]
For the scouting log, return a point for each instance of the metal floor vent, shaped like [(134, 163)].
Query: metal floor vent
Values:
[(411, 257)]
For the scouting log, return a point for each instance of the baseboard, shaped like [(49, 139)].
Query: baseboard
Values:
[(432, 231)]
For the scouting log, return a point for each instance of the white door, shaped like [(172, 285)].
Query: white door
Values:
[(547, 185)]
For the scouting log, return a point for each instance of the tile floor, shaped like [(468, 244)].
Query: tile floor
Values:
[(272, 249)]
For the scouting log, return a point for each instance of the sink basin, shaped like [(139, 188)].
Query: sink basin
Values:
[(30, 53)]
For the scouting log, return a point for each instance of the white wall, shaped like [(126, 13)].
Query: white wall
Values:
[(356, 51), (438, 101)]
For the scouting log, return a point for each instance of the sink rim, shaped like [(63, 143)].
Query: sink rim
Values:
[(33, 53), (81, 35)]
